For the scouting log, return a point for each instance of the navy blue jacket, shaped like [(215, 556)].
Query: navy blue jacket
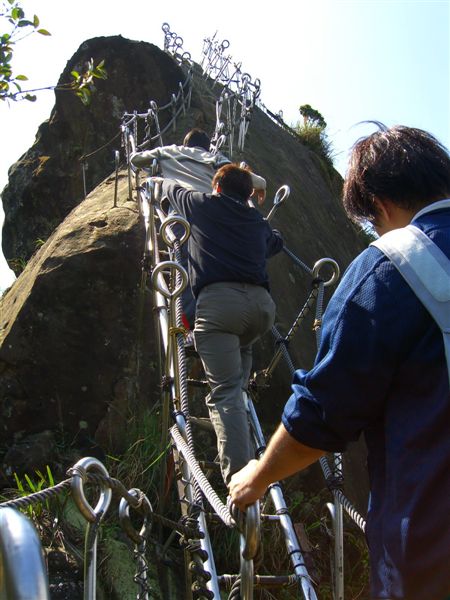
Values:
[(381, 370), (229, 241)]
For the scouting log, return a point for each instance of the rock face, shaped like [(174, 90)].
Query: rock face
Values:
[(76, 356), (47, 181), (70, 354)]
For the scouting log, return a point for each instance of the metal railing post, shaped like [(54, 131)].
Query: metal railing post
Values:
[(23, 575)]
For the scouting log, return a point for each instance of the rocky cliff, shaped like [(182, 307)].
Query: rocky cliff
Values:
[(77, 353)]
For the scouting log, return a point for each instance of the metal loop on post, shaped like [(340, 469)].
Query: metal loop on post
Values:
[(175, 220), (79, 477), (221, 141), (251, 531), (281, 195), (331, 263), (124, 516), (172, 266), (249, 543)]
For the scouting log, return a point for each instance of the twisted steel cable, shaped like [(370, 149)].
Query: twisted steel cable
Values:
[(220, 508)]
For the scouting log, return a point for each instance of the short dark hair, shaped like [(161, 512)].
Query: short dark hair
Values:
[(408, 166), (234, 181), (197, 137)]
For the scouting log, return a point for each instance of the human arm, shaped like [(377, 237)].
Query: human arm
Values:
[(284, 456), (144, 159), (178, 196), (363, 367), (259, 188), (275, 242)]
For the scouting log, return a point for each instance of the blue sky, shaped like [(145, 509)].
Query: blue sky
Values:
[(353, 60)]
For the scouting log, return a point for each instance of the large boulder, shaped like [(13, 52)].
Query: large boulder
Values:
[(70, 351)]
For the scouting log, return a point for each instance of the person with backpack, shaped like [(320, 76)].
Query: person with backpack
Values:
[(382, 370)]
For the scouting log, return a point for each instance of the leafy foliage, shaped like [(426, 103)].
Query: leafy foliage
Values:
[(18, 27), (27, 486), (311, 132), (311, 116), (83, 83)]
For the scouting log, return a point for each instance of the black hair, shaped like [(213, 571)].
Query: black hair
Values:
[(197, 137), (408, 166)]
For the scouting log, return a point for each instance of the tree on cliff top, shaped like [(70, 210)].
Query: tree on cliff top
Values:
[(311, 132), (311, 116)]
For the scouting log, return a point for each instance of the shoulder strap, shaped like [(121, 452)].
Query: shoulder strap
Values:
[(426, 269)]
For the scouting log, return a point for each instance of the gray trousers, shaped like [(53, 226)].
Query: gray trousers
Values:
[(230, 317)]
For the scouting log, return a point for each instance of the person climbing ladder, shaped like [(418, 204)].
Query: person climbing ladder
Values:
[(228, 248)]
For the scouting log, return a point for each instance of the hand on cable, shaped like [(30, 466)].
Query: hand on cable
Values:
[(157, 179), (244, 486), (259, 195)]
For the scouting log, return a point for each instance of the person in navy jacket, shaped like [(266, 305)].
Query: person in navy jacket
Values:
[(381, 371)]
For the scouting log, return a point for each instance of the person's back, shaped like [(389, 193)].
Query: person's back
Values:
[(228, 240), (401, 399), (191, 164), (381, 370), (229, 245)]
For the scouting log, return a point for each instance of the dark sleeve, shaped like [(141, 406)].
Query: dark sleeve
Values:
[(344, 393), (178, 196), (275, 243)]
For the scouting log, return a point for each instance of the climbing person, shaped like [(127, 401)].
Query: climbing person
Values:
[(193, 166), (381, 369), (228, 248)]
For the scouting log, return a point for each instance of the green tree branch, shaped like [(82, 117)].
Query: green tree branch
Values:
[(13, 19)]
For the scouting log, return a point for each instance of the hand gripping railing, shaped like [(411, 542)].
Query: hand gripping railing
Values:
[(281, 511), (23, 575)]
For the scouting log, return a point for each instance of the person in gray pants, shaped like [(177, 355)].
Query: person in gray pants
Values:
[(231, 317), (228, 248)]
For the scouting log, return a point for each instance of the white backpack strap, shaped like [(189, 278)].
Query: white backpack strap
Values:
[(426, 269)]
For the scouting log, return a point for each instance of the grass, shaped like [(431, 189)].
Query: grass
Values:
[(315, 138), (138, 466)]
